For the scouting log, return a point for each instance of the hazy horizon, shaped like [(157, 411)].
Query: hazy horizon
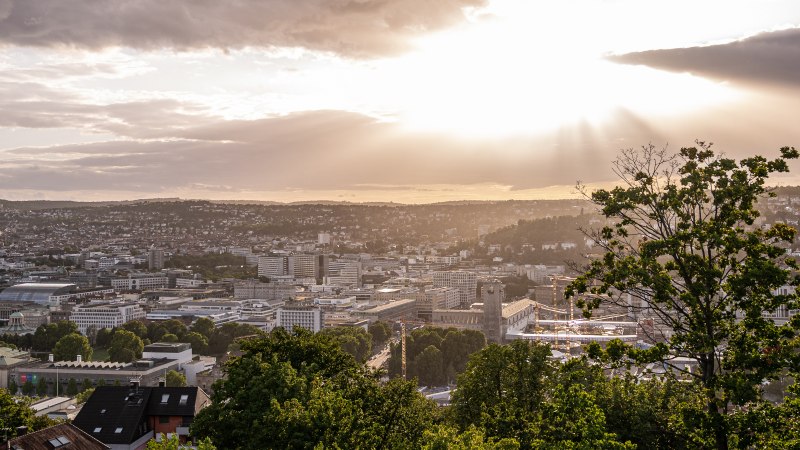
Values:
[(370, 101)]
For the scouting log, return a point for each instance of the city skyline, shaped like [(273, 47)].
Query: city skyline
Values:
[(406, 101)]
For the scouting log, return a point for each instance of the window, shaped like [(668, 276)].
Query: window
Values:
[(164, 398), (103, 411), (184, 399), (118, 430), (163, 419), (98, 429)]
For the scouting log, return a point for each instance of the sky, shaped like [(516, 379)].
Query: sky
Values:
[(411, 101)]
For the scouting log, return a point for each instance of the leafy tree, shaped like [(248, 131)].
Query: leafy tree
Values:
[(83, 396), (430, 367), (16, 412), (503, 389), (354, 340), (303, 391), (155, 331), (136, 327), (46, 336), (28, 387), (87, 384), (70, 346), (173, 443), (125, 347), (41, 387), (72, 387), (380, 332), (198, 341), (103, 337), (175, 327), (175, 379), (204, 326), (169, 337), (12, 387), (444, 437), (682, 244)]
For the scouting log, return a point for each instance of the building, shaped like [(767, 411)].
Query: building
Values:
[(126, 417), (493, 294), (465, 282), (252, 289), (9, 359), (307, 317), (140, 282), (105, 315), (62, 436), (155, 259), (16, 325), (515, 316), (345, 273), (296, 266), (39, 293), (392, 311)]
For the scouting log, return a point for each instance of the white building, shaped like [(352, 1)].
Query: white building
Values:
[(105, 315), (141, 282), (309, 318), (465, 282)]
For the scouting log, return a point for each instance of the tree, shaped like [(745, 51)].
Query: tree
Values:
[(103, 337), (136, 327), (16, 413), (380, 332), (204, 326), (12, 387), (430, 367), (175, 379), (173, 443), (28, 387), (70, 346), (353, 340), (72, 387), (83, 396), (46, 336), (169, 337), (86, 385), (304, 391), (198, 341), (41, 387), (125, 347), (681, 242)]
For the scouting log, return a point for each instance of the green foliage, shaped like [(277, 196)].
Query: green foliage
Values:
[(301, 390), (380, 333), (455, 347), (430, 367), (173, 443), (103, 337), (28, 387), (681, 239), (46, 336), (72, 387), (198, 341), (41, 387), (175, 379), (169, 337), (84, 395), (354, 340), (16, 412), (214, 265), (136, 327), (70, 346), (125, 347), (12, 387), (204, 326), (87, 384), (445, 437)]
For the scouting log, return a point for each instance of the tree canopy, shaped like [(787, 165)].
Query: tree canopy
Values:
[(125, 347), (682, 249), (70, 346)]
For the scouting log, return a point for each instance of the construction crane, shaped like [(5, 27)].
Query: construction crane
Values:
[(403, 322)]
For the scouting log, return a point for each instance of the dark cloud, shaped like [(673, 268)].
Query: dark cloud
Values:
[(772, 57), (356, 28)]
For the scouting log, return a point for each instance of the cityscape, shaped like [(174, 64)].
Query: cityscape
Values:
[(466, 224)]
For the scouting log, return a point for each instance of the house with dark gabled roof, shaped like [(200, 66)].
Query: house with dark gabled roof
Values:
[(128, 417), (63, 436)]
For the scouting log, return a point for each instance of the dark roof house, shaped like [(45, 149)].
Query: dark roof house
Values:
[(127, 417), (63, 436)]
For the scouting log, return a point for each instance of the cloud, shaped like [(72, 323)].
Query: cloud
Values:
[(354, 28), (772, 57)]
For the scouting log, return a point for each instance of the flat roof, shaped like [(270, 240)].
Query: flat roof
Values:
[(390, 305)]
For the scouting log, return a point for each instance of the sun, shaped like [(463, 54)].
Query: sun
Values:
[(499, 78)]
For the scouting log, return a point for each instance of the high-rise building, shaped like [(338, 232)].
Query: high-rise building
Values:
[(155, 260), (307, 317), (492, 294), (298, 266), (465, 282)]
